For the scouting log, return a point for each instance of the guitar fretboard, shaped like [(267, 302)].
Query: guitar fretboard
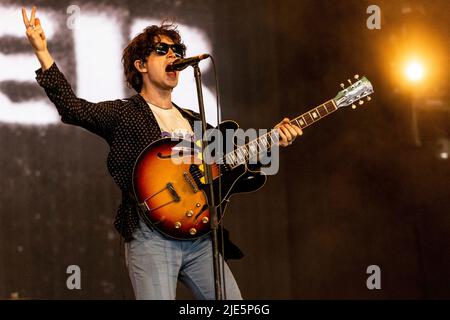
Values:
[(243, 154)]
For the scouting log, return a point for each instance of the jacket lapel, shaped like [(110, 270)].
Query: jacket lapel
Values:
[(140, 103)]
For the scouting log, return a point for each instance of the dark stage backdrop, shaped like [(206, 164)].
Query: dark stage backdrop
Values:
[(355, 190)]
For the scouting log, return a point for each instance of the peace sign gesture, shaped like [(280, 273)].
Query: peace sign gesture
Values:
[(34, 32)]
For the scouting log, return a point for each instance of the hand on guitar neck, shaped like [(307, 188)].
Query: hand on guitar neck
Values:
[(288, 132)]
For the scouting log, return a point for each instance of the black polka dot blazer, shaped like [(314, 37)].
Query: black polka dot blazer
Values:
[(127, 125)]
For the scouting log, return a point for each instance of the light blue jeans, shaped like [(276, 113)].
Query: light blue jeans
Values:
[(156, 262)]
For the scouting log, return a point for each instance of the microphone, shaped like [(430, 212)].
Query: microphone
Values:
[(181, 64)]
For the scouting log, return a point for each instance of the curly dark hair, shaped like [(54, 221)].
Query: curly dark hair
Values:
[(140, 48)]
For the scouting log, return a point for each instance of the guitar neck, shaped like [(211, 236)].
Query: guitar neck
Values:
[(243, 154), (314, 114)]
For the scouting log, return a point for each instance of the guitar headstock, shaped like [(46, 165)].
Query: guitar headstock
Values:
[(354, 93)]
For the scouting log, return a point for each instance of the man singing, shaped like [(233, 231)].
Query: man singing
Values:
[(155, 262)]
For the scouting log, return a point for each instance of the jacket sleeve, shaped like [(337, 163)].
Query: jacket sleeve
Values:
[(99, 118)]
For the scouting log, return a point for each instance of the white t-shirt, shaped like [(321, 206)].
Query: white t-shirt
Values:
[(171, 122)]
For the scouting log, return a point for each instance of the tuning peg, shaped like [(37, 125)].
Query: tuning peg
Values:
[(353, 106), (361, 102), (349, 81), (356, 76), (369, 98), (342, 86)]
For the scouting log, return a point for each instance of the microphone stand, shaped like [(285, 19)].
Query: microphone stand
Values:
[(210, 192)]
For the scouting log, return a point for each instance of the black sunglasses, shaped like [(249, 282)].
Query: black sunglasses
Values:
[(161, 48)]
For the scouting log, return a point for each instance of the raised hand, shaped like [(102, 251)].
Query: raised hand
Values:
[(34, 32), (36, 37)]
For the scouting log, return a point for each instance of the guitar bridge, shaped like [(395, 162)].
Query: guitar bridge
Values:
[(172, 191), (169, 186)]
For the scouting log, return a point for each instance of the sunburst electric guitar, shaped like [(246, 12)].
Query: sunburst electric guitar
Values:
[(169, 185)]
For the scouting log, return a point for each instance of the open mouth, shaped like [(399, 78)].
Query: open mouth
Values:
[(171, 73)]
